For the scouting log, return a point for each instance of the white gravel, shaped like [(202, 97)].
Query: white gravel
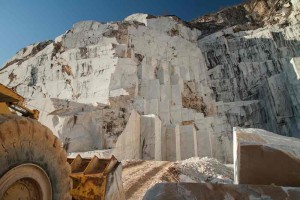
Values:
[(205, 170)]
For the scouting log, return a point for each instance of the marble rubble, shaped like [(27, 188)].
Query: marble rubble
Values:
[(159, 88)]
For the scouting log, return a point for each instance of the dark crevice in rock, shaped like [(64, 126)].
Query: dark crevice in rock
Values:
[(11, 77), (33, 76), (58, 48), (83, 52)]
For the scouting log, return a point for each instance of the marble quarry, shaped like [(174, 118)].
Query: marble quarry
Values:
[(156, 88), (266, 166)]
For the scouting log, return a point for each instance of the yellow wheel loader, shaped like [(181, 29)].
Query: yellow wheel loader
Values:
[(34, 166)]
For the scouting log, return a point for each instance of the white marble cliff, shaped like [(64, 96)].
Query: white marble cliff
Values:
[(159, 88)]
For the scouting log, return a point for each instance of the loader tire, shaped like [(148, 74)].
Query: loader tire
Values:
[(33, 164)]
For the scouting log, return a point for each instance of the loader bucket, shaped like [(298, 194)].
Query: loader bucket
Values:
[(96, 178)]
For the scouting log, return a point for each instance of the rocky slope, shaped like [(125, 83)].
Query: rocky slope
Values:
[(160, 88), (249, 15)]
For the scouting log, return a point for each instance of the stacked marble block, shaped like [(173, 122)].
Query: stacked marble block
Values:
[(203, 136), (169, 142), (183, 132)]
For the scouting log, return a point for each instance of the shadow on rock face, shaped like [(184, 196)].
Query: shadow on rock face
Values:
[(246, 69)]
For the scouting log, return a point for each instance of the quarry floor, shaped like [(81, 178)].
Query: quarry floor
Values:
[(139, 176)]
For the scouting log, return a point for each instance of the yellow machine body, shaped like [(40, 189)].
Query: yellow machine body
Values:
[(89, 176), (10, 99)]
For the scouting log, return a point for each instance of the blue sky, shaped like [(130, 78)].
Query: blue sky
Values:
[(23, 22)]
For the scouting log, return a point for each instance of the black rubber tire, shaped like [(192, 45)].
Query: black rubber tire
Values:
[(24, 140)]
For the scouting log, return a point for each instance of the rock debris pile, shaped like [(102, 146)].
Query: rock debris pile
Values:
[(205, 170)]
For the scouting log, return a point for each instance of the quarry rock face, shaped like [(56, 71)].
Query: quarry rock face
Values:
[(265, 158), (250, 15), (99, 82)]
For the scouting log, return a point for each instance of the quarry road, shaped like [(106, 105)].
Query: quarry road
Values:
[(139, 176)]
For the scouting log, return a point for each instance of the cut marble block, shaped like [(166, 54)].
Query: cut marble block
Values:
[(164, 112), (265, 158), (173, 143), (221, 147), (154, 89), (128, 143), (148, 71), (163, 142), (187, 114), (163, 75), (165, 92), (184, 73), (176, 95), (140, 105), (207, 191), (198, 117), (151, 106), (203, 144), (151, 137), (188, 141), (176, 114), (150, 89)]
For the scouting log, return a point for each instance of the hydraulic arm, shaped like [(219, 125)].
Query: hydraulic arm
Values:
[(10, 99)]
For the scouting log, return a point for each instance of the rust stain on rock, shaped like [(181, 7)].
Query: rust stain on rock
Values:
[(191, 100), (67, 69)]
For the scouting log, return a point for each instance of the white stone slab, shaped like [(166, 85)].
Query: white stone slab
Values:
[(165, 92), (188, 141), (152, 106), (128, 143), (164, 112), (151, 137), (203, 144), (173, 152), (176, 114), (153, 89)]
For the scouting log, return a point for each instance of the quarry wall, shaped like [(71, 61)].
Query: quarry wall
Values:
[(155, 88)]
